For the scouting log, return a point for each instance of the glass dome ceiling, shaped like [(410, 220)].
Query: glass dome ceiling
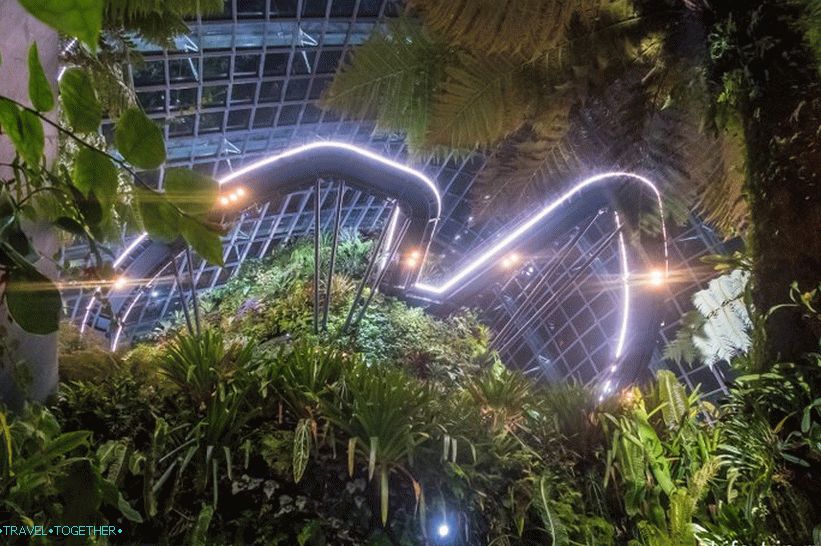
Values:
[(244, 85)]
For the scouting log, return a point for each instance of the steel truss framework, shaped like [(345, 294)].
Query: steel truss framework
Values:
[(244, 85)]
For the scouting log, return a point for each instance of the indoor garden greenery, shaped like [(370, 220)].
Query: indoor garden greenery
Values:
[(241, 434), (251, 429)]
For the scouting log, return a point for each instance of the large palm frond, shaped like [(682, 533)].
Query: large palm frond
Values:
[(526, 28), (392, 79), (156, 21), (481, 100)]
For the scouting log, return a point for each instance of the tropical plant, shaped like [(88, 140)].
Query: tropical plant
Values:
[(49, 475), (78, 196)]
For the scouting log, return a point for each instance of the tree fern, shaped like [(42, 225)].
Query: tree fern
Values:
[(726, 331), (526, 28), (392, 79), (480, 101)]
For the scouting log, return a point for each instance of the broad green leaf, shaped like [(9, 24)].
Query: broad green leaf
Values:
[(206, 242), (56, 448), (384, 494), (40, 92), (191, 191), (33, 301), (80, 18), (139, 139), (24, 129), (159, 218), (199, 534), (351, 454), (302, 448), (79, 100), (372, 456), (94, 171)]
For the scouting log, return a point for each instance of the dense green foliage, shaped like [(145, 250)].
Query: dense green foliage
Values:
[(242, 436), (88, 192)]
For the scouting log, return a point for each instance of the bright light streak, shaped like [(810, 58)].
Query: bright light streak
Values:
[(272, 159), (120, 282), (625, 279), (340, 146), (499, 247), (656, 277)]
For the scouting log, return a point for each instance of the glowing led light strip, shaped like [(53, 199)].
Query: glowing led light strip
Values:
[(535, 219), (267, 161), (625, 279)]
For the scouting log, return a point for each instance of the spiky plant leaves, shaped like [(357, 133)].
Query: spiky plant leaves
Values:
[(673, 397), (156, 21), (302, 448), (526, 28), (553, 525), (727, 326), (392, 79), (481, 100), (682, 349)]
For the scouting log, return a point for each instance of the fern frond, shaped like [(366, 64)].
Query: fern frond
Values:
[(526, 28), (726, 330), (156, 21), (481, 100), (392, 79), (682, 349)]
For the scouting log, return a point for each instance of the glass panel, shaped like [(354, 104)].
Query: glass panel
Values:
[(297, 89), (246, 65), (238, 119), (264, 117), (328, 62), (216, 68), (283, 8), (313, 8), (270, 91), (342, 8), (289, 115), (182, 70), (276, 64), (250, 8), (183, 98), (211, 122), (181, 126), (243, 93), (214, 95), (150, 73), (369, 8), (152, 101)]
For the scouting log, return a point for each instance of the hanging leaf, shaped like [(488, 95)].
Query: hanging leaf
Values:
[(351, 453), (302, 448), (39, 88), (384, 493), (139, 140), (204, 240), (191, 191), (372, 457), (80, 18), (33, 301), (94, 171), (199, 534), (79, 100), (24, 129), (159, 218)]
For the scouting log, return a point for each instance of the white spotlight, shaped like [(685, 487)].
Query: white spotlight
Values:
[(443, 530)]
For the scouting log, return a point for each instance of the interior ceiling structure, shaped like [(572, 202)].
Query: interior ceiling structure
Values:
[(244, 85)]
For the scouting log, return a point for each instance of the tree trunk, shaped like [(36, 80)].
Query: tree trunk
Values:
[(781, 117)]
